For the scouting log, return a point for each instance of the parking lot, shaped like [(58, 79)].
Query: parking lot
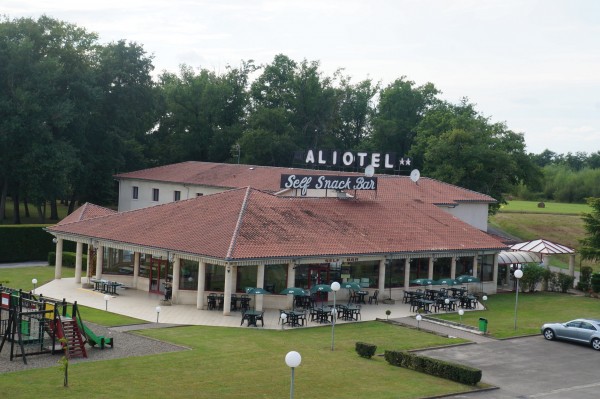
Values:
[(529, 367)]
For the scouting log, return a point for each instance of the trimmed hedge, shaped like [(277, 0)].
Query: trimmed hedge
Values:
[(365, 350), (27, 242), (439, 368), (68, 259)]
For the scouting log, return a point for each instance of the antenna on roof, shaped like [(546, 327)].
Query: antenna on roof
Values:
[(415, 175)]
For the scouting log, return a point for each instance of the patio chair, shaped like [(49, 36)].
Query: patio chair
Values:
[(373, 298), (244, 318), (261, 318)]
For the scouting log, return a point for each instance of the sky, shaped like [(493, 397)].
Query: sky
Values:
[(534, 65)]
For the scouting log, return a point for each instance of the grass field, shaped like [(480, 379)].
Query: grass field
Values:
[(549, 207), (560, 223), (533, 311)]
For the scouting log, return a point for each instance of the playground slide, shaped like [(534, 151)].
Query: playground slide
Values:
[(92, 338)]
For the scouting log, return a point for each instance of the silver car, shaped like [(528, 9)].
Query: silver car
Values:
[(585, 331)]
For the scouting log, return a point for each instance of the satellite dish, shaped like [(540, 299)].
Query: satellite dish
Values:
[(415, 175), (369, 171)]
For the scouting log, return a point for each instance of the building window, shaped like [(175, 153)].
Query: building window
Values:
[(199, 194), (155, 194), (135, 192), (176, 195)]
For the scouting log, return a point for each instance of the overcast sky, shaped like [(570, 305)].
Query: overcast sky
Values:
[(532, 64)]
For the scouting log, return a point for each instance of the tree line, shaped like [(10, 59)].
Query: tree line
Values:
[(73, 112)]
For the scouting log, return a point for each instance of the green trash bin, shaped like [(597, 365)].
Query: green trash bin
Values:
[(483, 323)]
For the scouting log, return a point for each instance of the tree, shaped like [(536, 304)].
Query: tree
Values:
[(590, 245), (458, 146), (355, 113), (307, 100), (203, 116), (401, 107), (39, 89)]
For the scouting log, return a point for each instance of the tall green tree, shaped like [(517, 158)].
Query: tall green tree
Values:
[(402, 105), (456, 144), (307, 103), (590, 245), (41, 60), (203, 114), (355, 113)]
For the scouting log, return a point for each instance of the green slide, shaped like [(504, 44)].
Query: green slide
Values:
[(92, 338)]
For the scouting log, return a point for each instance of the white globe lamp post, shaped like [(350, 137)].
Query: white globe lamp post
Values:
[(518, 274), (293, 360), (335, 287)]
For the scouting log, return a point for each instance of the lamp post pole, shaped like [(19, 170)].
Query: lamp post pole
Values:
[(292, 359), (34, 282), (518, 274), (335, 286)]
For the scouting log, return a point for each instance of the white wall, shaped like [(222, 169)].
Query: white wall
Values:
[(474, 214), (166, 193)]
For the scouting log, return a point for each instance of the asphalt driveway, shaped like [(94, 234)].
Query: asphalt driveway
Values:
[(530, 367)]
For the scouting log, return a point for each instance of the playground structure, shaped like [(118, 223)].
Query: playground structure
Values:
[(35, 325)]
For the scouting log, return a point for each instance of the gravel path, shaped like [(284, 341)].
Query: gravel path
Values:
[(126, 345)]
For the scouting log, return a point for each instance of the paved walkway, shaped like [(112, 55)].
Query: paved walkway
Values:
[(142, 305), (444, 329)]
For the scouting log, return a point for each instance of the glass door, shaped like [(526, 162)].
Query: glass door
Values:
[(159, 273), (318, 275)]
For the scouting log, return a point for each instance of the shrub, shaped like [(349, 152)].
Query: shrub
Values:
[(564, 282), (585, 278), (532, 275), (68, 259), (595, 282), (365, 350), (439, 368)]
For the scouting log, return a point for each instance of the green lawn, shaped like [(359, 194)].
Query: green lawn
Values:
[(550, 207), (248, 363), (20, 277), (533, 311), (241, 363)]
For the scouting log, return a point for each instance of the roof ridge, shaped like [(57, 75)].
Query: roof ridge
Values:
[(238, 225)]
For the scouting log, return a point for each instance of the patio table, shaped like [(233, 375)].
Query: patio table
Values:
[(251, 316), (361, 296)]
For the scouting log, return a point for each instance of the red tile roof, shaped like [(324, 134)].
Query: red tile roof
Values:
[(247, 224), (87, 211), (267, 178)]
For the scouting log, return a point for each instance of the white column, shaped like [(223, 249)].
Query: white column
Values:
[(381, 285), (78, 262), (260, 283), (453, 268), (99, 255), (136, 269), (406, 274), (201, 283), (58, 259), (475, 265), (430, 271), (234, 274), (495, 272), (176, 278), (227, 291), (291, 282), (508, 275), (87, 262), (572, 265)]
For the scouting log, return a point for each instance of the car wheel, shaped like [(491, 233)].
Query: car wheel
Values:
[(596, 344), (549, 334)]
